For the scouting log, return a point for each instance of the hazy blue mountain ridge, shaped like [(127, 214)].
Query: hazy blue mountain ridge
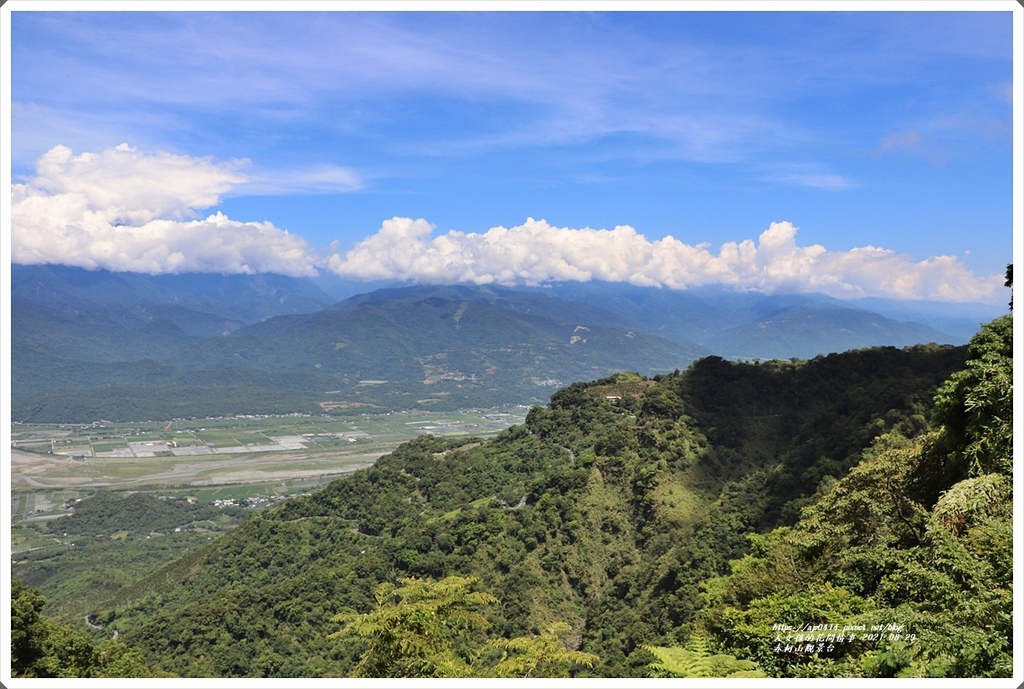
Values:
[(747, 324), (194, 301), (807, 330), (961, 320), (107, 337)]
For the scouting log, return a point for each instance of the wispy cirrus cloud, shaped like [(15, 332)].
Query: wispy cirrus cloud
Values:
[(576, 79), (808, 175), (911, 142), (824, 181), (906, 141), (397, 85), (316, 179)]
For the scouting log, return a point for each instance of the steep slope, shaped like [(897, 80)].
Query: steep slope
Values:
[(910, 555), (605, 510)]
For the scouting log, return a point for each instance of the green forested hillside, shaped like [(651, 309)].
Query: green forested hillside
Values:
[(619, 516), (909, 555), (42, 648)]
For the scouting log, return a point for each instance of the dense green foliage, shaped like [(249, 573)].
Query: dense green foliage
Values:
[(606, 511), (696, 660), (41, 648), (435, 629), (909, 555), (137, 513)]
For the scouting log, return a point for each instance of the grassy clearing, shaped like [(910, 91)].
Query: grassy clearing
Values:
[(42, 446), (110, 447), (678, 503), (226, 438), (20, 504), (128, 471)]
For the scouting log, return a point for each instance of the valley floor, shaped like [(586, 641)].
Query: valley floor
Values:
[(257, 458)]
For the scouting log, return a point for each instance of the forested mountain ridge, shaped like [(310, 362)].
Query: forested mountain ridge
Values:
[(612, 509), (89, 345), (425, 347), (478, 336), (238, 299)]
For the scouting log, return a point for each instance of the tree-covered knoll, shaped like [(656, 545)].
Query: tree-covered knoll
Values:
[(605, 512), (108, 512), (109, 541)]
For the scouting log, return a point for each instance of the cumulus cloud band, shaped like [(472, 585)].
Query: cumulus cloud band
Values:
[(124, 210), (537, 252)]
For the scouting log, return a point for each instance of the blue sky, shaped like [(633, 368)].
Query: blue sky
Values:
[(853, 153)]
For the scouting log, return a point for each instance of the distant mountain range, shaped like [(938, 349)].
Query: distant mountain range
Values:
[(89, 344), (747, 324)]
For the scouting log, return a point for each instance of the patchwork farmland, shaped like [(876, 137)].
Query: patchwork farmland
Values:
[(255, 458)]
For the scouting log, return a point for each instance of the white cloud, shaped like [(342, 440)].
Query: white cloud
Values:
[(535, 252), (124, 210)]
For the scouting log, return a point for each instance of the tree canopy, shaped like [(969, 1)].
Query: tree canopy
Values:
[(424, 628)]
